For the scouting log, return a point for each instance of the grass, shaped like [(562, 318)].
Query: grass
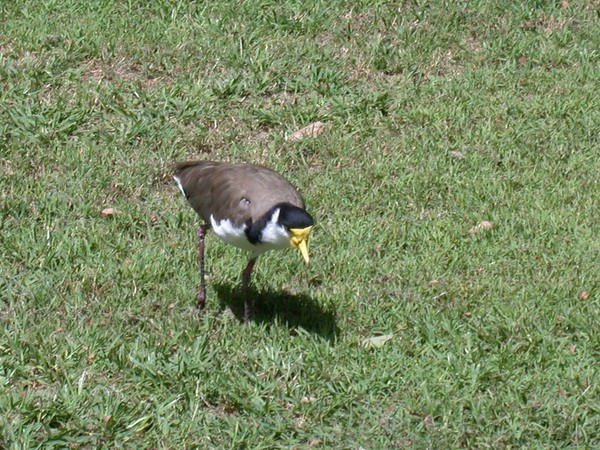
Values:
[(438, 116)]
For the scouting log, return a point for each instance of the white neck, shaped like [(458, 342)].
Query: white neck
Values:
[(274, 235)]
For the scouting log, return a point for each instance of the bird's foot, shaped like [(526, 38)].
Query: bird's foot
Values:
[(247, 311), (201, 302)]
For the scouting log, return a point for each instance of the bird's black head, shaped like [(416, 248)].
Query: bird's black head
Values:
[(284, 225), (298, 223), (291, 216)]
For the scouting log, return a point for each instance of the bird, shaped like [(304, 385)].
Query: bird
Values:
[(249, 206)]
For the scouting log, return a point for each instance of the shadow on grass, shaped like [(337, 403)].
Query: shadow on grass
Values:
[(293, 310)]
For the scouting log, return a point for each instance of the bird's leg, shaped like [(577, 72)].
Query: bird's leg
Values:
[(202, 229), (245, 283)]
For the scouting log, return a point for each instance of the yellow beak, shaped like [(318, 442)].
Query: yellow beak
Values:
[(299, 240)]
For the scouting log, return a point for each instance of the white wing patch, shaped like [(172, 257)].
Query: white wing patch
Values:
[(230, 234), (176, 178)]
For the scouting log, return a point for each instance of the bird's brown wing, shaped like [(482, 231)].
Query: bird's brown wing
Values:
[(238, 192)]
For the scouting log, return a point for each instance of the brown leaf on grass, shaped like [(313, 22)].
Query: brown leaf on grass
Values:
[(7, 167), (523, 60), (483, 225), (376, 341), (108, 212), (313, 130), (584, 295), (562, 392), (564, 4), (457, 155), (314, 442), (429, 422), (573, 348)]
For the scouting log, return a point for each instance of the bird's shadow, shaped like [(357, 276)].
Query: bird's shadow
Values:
[(294, 310)]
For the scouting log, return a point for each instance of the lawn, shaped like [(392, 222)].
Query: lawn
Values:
[(453, 295)]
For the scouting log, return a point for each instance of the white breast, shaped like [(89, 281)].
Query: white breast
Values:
[(273, 236)]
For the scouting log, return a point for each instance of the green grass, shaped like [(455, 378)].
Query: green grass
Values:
[(438, 115)]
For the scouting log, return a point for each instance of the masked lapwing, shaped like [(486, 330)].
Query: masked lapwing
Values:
[(248, 206)]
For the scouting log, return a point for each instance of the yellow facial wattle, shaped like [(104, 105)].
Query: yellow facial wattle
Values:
[(299, 240)]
